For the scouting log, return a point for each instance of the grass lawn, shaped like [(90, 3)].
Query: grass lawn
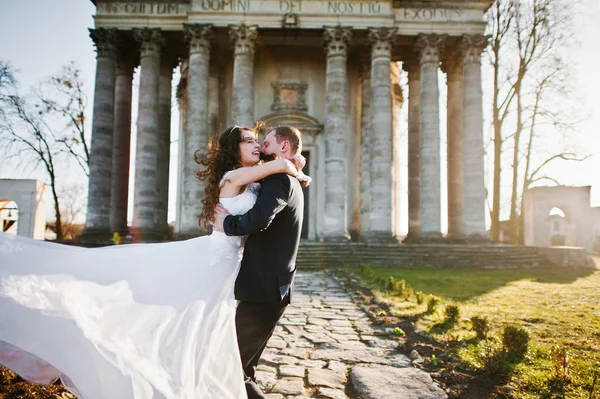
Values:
[(559, 308)]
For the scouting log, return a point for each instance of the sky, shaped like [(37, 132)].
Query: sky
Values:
[(38, 36)]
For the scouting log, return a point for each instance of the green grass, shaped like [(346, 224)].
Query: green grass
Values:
[(555, 306)]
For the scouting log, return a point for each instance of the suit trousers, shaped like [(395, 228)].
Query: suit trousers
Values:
[(255, 323)]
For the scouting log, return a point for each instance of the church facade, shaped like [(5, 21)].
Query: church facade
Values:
[(330, 68)]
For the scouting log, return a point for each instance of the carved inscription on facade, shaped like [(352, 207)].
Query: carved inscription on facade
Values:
[(148, 8), (333, 7), (323, 7), (429, 14)]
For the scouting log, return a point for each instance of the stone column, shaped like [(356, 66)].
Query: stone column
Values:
[(471, 47), (191, 190), (382, 212), (164, 144), (413, 67), (122, 143), (336, 133), (365, 145), (452, 66), (145, 188), (242, 104), (429, 47), (97, 224), (397, 101)]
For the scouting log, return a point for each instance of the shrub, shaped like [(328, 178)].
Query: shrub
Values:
[(559, 356), (400, 286), (408, 293), (420, 297), (391, 284), (481, 326), (491, 357), (452, 313), (515, 341), (367, 273), (432, 303)]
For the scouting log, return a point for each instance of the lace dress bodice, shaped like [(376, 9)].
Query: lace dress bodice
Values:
[(243, 202), (239, 205)]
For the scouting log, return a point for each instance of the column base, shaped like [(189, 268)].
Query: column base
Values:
[(96, 237), (411, 238)]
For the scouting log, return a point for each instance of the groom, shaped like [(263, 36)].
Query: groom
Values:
[(264, 283)]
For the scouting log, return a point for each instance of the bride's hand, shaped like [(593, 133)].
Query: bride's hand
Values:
[(287, 166), (299, 161)]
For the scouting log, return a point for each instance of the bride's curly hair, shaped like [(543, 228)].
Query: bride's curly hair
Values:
[(223, 155)]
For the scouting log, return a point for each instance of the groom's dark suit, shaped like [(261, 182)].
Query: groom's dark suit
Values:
[(264, 284)]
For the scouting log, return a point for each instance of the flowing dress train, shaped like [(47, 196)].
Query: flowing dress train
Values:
[(141, 321)]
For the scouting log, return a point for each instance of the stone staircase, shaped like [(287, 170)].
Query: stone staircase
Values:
[(314, 255)]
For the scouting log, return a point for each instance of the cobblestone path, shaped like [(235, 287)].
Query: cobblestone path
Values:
[(325, 346)]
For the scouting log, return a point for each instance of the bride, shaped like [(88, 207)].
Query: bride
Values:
[(142, 320)]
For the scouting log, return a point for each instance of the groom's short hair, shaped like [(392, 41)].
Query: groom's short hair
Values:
[(290, 134)]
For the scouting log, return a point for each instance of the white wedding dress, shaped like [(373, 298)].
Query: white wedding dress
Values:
[(134, 321)]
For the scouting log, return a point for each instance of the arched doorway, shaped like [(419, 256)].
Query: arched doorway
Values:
[(310, 128), (9, 216), (558, 227)]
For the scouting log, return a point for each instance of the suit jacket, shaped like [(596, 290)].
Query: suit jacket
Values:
[(273, 227)]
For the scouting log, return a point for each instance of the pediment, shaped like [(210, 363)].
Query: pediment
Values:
[(299, 119)]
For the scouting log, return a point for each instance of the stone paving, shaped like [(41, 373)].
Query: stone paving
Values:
[(326, 346)]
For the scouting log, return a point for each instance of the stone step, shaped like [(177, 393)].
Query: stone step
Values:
[(318, 255)]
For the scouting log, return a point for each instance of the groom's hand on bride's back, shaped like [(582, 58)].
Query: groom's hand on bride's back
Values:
[(220, 215)]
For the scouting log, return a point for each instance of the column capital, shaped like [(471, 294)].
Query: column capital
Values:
[(336, 40), (105, 41), (382, 40), (198, 37), (429, 47), (244, 38), (471, 46), (150, 41)]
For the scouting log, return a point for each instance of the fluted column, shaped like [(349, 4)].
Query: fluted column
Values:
[(164, 144), (336, 133), (121, 144), (146, 183), (381, 223), (413, 68), (452, 65), (365, 145), (471, 47), (429, 47), (242, 104), (97, 225), (191, 190)]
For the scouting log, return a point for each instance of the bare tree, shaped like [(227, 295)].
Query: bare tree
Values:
[(529, 43), (68, 100), (30, 129), (500, 21), (72, 198), (7, 84)]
